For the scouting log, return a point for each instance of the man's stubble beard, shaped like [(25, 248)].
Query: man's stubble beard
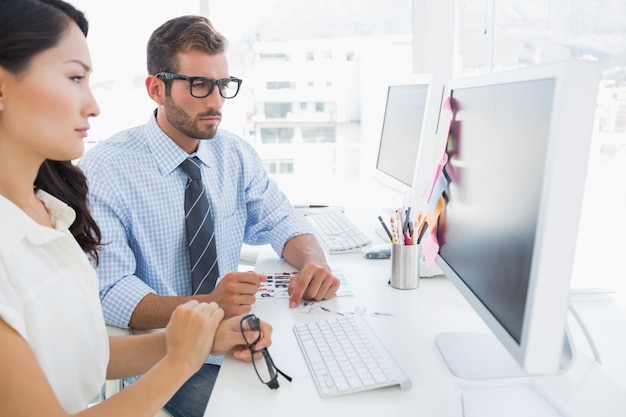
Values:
[(178, 118)]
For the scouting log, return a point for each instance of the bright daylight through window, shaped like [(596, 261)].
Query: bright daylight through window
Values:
[(313, 90)]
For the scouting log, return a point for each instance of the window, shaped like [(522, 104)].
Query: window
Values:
[(280, 85), (278, 166), (291, 64), (319, 134), (494, 36), (277, 135), (274, 57), (277, 110)]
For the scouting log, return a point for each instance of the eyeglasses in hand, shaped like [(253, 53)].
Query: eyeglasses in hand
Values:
[(201, 87), (261, 359)]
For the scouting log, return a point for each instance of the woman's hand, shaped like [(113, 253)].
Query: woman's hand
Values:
[(191, 331)]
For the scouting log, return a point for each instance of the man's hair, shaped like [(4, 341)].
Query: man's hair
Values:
[(180, 35)]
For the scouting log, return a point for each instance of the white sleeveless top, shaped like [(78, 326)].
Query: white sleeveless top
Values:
[(49, 295)]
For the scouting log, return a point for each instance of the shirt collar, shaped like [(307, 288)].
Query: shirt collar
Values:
[(168, 154), (61, 215), (16, 225)]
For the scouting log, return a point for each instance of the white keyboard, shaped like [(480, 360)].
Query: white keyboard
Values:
[(345, 356), (336, 232)]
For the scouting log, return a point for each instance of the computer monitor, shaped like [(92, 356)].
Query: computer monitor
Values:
[(411, 112), (518, 154)]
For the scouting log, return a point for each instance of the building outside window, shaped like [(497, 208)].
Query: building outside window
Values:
[(284, 60)]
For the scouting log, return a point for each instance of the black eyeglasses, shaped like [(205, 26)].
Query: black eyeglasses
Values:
[(261, 359), (201, 87)]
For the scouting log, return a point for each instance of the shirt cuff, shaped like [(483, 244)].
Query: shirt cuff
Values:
[(119, 303)]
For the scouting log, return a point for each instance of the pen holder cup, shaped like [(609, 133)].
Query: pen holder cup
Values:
[(405, 266)]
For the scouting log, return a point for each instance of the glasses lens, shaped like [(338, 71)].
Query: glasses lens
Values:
[(229, 88), (263, 366), (251, 330), (201, 87)]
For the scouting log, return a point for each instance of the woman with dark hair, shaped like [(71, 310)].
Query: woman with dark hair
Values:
[(55, 350)]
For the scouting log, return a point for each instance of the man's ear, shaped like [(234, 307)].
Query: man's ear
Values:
[(156, 89)]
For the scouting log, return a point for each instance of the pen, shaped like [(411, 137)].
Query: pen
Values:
[(301, 206), (380, 219), (421, 235)]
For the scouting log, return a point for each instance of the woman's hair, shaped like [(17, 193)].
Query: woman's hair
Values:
[(27, 28), (180, 35)]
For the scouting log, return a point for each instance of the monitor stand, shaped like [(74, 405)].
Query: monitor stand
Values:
[(482, 356)]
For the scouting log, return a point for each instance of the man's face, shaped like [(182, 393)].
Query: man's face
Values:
[(196, 118)]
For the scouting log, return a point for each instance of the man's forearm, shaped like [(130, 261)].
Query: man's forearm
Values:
[(302, 250), (154, 311)]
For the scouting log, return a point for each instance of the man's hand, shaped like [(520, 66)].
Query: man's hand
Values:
[(312, 283), (229, 339), (235, 292)]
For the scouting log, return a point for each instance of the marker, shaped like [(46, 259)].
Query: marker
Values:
[(405, 227)]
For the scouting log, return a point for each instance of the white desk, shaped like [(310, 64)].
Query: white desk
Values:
[(418, 316)]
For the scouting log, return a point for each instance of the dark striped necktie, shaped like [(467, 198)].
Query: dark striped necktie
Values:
[(200, 233)]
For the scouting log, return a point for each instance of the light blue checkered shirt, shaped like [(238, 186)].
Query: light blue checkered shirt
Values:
[(137, 197)]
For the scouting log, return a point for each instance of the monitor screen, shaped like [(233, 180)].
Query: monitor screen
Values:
[(402, 126), (517, 157), (495, 176), (411, 111)]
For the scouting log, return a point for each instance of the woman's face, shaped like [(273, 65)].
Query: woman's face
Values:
[(45, 109)]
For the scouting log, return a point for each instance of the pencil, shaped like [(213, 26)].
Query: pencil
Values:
[(394, 231), (380, 219)]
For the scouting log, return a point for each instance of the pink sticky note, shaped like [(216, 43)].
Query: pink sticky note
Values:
[(429, 196), (430, 247)]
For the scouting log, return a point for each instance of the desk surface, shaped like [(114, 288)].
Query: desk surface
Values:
[(417, 317)]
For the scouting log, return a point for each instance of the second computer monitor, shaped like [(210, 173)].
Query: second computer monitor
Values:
[(411, 114)]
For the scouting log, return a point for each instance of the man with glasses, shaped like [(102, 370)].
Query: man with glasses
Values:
[(176, 198)]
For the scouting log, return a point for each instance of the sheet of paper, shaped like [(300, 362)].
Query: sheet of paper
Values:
[(277, 285)]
